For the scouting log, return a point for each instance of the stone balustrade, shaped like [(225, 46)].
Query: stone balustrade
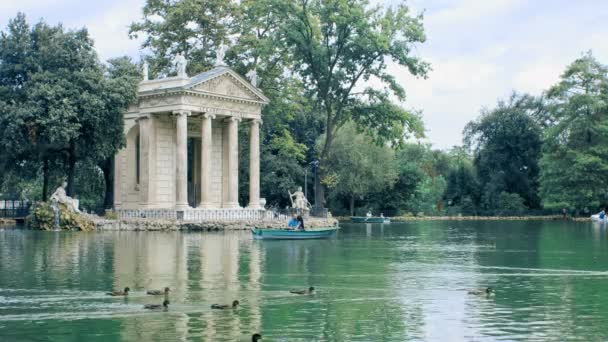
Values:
[(202, 215)]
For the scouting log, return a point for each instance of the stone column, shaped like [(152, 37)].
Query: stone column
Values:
[(145, 167), (181, 166), (254, 164), (118, 160), (232, 163), (206, 148)]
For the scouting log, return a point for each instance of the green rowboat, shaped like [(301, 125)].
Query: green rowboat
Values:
[(292, 234)]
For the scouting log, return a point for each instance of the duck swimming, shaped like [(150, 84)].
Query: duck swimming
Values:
[(488, 291), (256, 337), (164, 305), (225, 306), (159, 292), (310, 290), (119, 293)]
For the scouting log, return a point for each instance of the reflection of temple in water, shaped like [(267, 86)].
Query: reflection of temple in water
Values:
[(201, 269)]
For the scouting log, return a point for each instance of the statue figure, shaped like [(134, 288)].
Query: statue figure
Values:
[(145, 70), (180, 63), (60, 196), (253, 77), (300, 201), (219, 55)]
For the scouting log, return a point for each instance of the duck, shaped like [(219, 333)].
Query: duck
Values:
[(310, 290), (164, 305), (119, 293), (159, 292), (256, 337), (225, 306), (488, 291)]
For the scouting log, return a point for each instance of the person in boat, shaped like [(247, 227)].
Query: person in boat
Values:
[(293, 222), (381, 215), (300, 223), (602, 214), (369, 214)]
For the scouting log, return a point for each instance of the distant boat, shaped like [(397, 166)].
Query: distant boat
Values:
[(373, 219), (292, 234), (597, 218)]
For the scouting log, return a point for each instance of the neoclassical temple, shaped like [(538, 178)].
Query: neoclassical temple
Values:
[(182, 142)]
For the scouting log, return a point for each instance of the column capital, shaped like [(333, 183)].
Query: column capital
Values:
[(236, 118), (256, 121), (208, 116), (142, 117), (182, 112)]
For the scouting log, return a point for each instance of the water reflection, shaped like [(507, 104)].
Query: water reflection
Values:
[(375, 282)]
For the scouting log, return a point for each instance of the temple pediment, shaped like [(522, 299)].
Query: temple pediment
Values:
[(224, 81)]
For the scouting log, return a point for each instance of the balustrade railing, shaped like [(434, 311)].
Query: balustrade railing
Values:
[(14, 209)]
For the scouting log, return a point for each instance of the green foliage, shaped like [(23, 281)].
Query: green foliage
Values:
[(574, 164), (359, 166), (337, 45), (506, 143), (510, 204), (42, 217), (195, 28), (56, 104)]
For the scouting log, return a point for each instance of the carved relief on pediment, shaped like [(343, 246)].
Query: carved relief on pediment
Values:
[(226, 85)]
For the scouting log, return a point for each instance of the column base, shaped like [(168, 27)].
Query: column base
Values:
[(182, 206), (255, 206), (206, 206), (230, 205)]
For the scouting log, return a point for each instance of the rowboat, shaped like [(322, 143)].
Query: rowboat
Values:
[(292, 234), (373, 219)]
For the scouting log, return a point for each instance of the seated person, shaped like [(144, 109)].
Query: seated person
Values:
[(602, 214), (293, 222)]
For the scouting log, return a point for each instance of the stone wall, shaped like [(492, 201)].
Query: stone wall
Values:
[(169, 224)]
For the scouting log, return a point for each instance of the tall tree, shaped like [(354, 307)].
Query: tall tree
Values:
[(506, 143), (339, 45), (574, 167), (195, 28), (359, 166), (58, 106)]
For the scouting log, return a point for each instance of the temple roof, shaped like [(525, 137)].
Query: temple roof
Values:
[(197, 83)]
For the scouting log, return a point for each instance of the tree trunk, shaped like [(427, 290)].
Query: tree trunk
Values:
[(107, 166), (45, 179), (71, 169), (319, 191), (352, 205)]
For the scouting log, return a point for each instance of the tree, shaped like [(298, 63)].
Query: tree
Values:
[(195, 28), (338, 45), (58, 107), (506, 143), (574, 167), (462, 190), (359, 166)]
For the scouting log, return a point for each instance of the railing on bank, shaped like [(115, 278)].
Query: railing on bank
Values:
[(14, 209), (203, 214)]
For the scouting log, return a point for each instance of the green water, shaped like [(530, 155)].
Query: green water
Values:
[(394, 282)]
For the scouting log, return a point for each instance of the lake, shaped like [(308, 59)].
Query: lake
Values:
[(395, 282)]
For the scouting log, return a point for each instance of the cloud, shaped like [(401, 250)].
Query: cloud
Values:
[(470, 11), (9, 8), (110, 29)]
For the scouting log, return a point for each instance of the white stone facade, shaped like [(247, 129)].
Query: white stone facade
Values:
[(182, 144)]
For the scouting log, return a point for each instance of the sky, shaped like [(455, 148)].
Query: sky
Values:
[(479, 50)]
